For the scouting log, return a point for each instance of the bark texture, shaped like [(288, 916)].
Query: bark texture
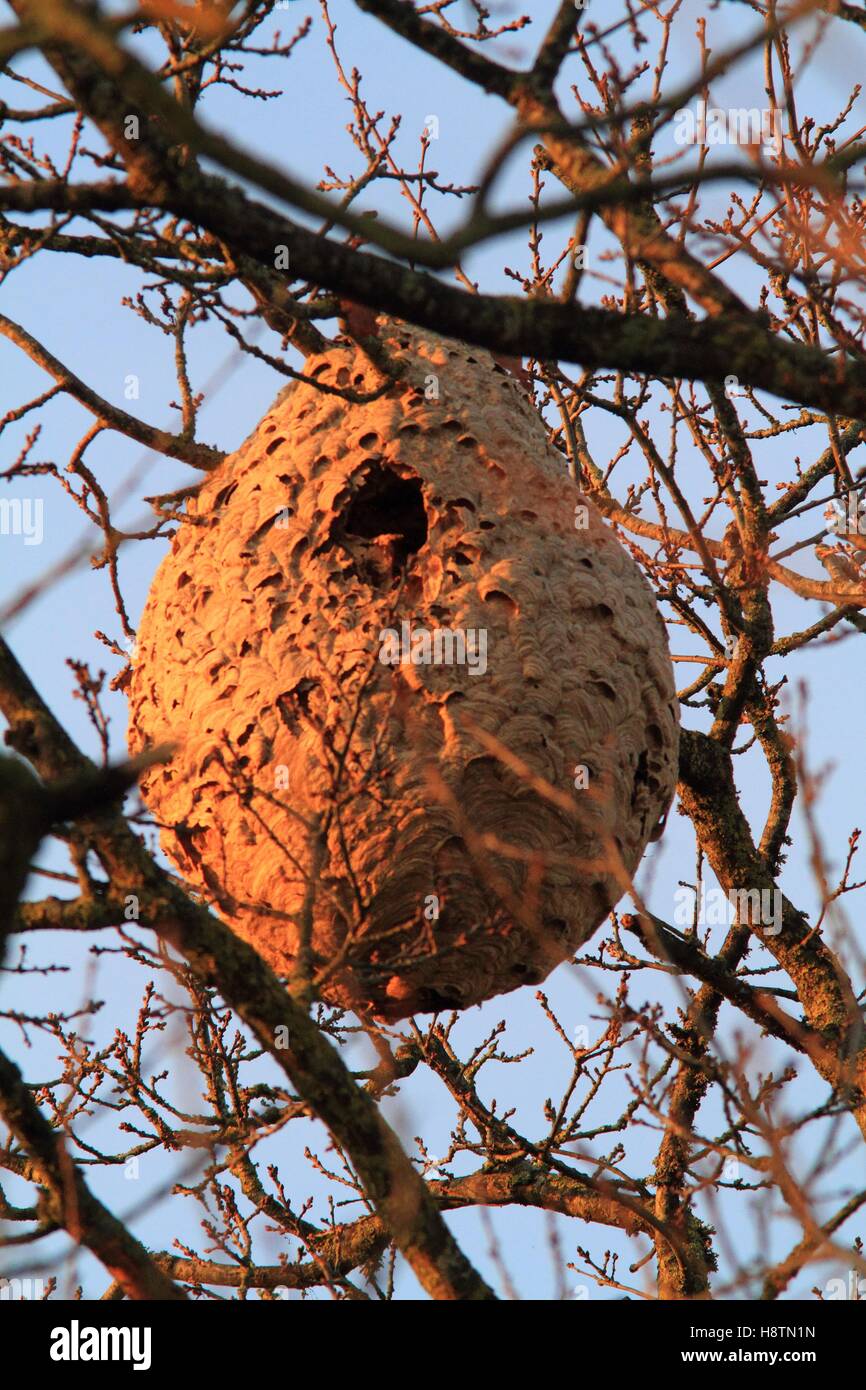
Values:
[(347, 812)]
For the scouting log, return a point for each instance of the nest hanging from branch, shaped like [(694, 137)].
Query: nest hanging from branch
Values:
[(391, 641)]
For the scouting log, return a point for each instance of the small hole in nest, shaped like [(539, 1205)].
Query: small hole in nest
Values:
[(641, 778), (223, 495), (603, 611), (499, 600), (604, 688), (522, 970), (557, 925)]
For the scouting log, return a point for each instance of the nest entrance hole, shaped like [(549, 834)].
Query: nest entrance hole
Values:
[(389, 507)]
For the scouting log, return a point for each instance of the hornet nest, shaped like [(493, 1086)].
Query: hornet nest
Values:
[(390, 640)]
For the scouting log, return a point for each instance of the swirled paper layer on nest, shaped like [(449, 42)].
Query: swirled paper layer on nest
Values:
[(358, 591)]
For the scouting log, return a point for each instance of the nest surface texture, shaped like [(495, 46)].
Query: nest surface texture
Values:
[(419, 689)]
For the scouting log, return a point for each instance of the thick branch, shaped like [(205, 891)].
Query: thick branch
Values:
[(218, 957), (68, 1200), (708, 795)]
